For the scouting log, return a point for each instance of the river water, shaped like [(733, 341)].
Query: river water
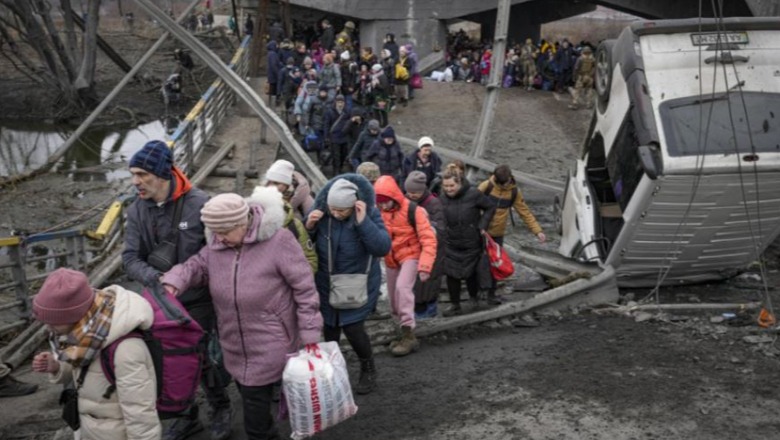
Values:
[(98, 155)]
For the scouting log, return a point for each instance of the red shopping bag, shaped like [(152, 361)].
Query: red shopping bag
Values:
[(501, 265)]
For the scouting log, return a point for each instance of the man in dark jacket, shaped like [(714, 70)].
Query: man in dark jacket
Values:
[(391, 45), (328, 36), (274, 67), (336, 124), (314, 110), (386, 152), (359, 152), (423, 159), (150, 222)]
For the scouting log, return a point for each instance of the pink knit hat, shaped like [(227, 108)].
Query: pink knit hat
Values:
[(64, 298), (224, 212)]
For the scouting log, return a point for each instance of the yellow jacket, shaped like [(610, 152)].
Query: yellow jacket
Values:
[(503, 193)]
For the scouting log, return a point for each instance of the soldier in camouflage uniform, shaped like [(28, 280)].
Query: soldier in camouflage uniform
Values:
[(584, 71), (528, 59)]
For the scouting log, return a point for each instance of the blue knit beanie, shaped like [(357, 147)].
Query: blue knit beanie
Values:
[(156, 158), (388, 132)]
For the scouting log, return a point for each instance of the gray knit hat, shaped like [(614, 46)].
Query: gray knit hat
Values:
[(342, 194), (417, 182)]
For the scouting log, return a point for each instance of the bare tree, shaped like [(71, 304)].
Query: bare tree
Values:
[(60, 65)]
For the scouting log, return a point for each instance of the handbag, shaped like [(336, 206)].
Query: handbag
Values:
[(165, 255), (416, 82), (501, 265), (350, 290), (69, 400)]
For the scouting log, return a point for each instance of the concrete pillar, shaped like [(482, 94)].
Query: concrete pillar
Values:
[(424, 34)]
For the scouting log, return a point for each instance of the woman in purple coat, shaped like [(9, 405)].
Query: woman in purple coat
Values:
[(264, 294)]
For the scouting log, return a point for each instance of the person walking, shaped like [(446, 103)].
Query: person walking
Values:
[(163, 228), (359, 152), (83, 321), (264, 295), (350, 238), (504, 194), (584, 72), (426, 293), (423, 159), (386, 152), (467, 215), (412, 253), (293, 185), (337, 122)]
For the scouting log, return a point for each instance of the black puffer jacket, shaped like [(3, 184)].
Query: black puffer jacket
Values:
[(465, 214)]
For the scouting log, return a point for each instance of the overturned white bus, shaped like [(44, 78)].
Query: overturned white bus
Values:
[(679, 176)]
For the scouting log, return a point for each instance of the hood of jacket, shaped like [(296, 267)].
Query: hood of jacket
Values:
[(271, 200), (131, 311), (365, 191), (181, 184), (387, 186), (271, 46)]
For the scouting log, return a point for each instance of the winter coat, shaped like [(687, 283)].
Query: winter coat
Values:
[(275, 64), (410, 242), (392, 46), (352, 246), (301, 200), (335, 125), (363, 145), (429, 290), (148, 224), (264, 296), (564, 58), (412, 163), (349, 75), (327, 38), (270, 198), (503, 193), (314, 113), (330, 76), (390, 158), (465, 214), (130, 413)]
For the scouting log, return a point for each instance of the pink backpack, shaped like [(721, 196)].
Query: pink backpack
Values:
[(175, 343)]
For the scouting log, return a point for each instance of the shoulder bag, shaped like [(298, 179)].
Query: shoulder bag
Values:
[(350, 290)]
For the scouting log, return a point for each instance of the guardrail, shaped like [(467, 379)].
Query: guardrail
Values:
[(204, 118), (23, 265)]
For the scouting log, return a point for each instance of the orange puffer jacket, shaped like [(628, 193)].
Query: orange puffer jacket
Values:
[(408, 242)]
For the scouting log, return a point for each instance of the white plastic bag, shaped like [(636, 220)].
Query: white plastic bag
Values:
[(317, 391)]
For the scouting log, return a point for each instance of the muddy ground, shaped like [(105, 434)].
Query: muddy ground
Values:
[(578, 375)]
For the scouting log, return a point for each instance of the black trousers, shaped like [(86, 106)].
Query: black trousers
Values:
[(258, 421), (340, 153), (214, 379), (356, 335), (472, 285)]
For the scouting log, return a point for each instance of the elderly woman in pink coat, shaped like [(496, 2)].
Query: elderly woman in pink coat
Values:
[(264, 295)]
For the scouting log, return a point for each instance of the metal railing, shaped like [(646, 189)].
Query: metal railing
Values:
[(26, 260), (204, 118)]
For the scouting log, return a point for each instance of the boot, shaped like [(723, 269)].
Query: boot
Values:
[(493, 299), (10, 387), (399, 335), (367, 381), (454, 310), (407, 344)]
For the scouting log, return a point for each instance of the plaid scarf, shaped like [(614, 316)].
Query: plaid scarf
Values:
[(81, 345)]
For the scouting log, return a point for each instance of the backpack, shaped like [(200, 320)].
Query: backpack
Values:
[(503, 203), (411, 215), (401, 73), (175, 342)]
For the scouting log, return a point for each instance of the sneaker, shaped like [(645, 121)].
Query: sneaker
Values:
[(182, 428), (221, 422), (10, 387)]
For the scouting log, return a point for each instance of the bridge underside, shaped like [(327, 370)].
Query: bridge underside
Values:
[(424, 22)]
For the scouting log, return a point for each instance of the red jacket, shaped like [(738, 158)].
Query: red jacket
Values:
[(408, 242)]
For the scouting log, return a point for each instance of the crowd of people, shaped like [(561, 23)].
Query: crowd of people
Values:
[(266, 275), (546, 65)]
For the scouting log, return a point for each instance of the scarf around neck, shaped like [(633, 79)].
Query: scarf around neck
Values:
[(81, 345)]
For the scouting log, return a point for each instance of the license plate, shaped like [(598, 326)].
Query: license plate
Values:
[(722, 37)]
